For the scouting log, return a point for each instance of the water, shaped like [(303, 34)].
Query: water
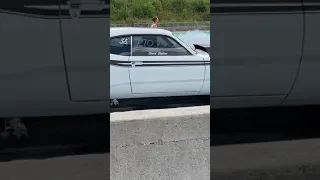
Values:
[(194, 37)]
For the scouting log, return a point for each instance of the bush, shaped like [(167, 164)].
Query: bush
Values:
[(142, 9), (178, 6), (199, 6), (128, 11)]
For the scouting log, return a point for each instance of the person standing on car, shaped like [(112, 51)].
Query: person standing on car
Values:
[(155, 22)]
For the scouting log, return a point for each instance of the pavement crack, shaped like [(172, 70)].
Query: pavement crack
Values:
[(160, 142)]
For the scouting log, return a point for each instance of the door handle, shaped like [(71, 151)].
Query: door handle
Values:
[(134, 63), (75, 7)]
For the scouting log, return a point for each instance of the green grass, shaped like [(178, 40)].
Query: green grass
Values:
[(142, 11)]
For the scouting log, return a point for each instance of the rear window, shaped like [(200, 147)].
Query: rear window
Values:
[(157, 45), (120, 46)]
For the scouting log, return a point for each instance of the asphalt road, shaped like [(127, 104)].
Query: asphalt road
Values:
[(283, 160), (265, 144), (288, 160), (77, 167), (53, 152), (268, 145)]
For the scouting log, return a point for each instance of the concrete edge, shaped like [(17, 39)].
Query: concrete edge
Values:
[(146, 127), (158, 113)]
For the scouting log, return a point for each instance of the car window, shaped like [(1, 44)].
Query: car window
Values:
[(192, 48), (157, 45), (120, 46)]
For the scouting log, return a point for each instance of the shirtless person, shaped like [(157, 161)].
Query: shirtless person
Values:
[(155, 22)]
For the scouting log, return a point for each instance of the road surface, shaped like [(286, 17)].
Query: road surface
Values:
[(78, 167), (287, 160), (266, 144), (284, 160), (240, 151)]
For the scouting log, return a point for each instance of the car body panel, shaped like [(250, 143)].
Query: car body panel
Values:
[(32, 72), (168, 75), (159, 75), (255, 51), (307, 87), (264, 54), (121, 84), (85, 43)]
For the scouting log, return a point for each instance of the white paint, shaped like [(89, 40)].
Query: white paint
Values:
[(157, 81)]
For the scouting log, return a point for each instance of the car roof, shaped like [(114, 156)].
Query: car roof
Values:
[(118, 31)]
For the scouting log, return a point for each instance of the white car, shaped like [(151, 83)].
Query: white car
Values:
[(152, 62)]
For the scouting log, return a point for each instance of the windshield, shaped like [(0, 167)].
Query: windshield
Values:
[(186, 44)]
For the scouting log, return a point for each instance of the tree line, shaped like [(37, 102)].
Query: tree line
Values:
[(140, 11)]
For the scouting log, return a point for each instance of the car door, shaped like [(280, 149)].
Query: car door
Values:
[(85, 32), (161, 65), (31, 62), (120, 51), (307, 87), (256, 50)]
